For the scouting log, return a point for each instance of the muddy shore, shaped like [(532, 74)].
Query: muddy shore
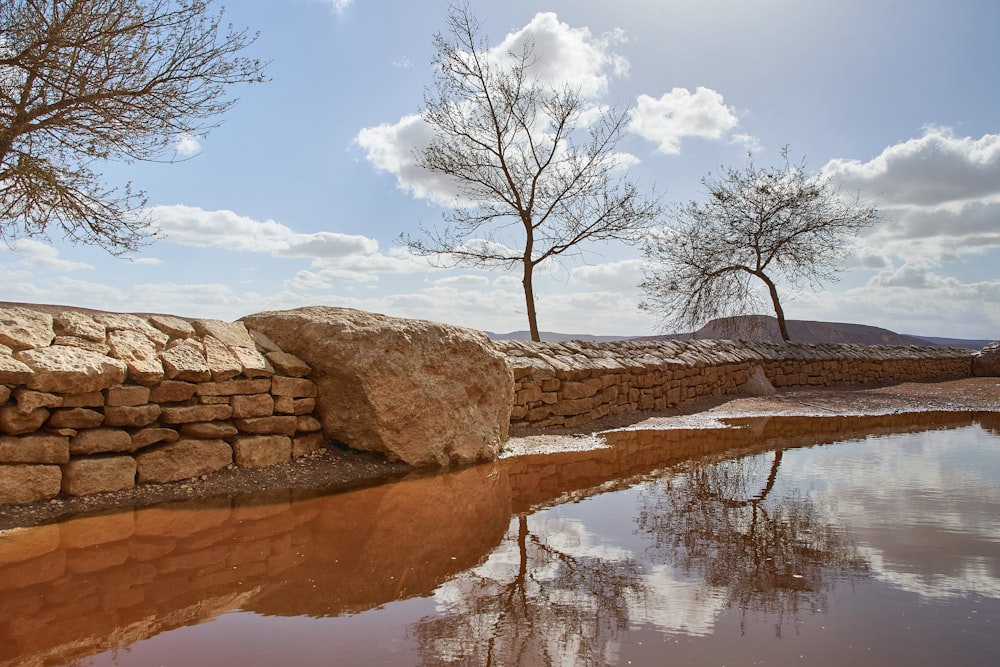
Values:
[(334, 468)]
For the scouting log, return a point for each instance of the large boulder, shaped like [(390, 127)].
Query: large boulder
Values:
[(420, 392), (986, 362)]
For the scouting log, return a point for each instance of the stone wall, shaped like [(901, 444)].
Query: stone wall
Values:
[(93, 402), (572, 383)]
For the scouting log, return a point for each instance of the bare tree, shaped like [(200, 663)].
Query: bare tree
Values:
[(83, 82), (537, 176), (757, 223)]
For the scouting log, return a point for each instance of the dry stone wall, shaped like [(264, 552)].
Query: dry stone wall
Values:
[(93, 402), (572, 383)]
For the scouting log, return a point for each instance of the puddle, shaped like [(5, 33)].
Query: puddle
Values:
[(870, 540)]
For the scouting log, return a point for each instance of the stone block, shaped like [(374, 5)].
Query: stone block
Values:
[(96, 440), (252, 405), (183, 459), (29, 483), (209, 430), (128, 395), (195, 413), (222, 363), (174, 327), (28, 400), (253, 362), (276, 425), (23, 328), (82, 343), (129, 322), (292, 387), (230, 334), (153, 436), (261, 450), (286, 405), (75, 418), (80, 325), (306, 444), (307, 424), (81, 477), (139, 353), (14, 422), (71, 370), (4, 393), (288, 364), (186, 362), (172, 391), (134, 416), (90, 399), (234, 387), (40, 448)]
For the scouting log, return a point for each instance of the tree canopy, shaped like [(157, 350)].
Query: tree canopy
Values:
[(535, 168), (756, 223), (84, 82)]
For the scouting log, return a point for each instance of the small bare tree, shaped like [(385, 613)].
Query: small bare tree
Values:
[(536, 176), (83, 82), (757, 223)]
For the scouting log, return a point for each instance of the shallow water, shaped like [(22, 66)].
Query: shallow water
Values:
[(821, 541)]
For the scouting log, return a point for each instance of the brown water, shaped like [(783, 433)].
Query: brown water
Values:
[(753, 545)]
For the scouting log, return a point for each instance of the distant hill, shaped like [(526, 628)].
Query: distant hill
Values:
[(764, 327)]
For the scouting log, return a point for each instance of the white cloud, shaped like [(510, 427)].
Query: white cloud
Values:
[(192, 226), (187, 145), (934, 169), (566, 55), (339, 6), (623, 276), (33, 255), (680, 114)]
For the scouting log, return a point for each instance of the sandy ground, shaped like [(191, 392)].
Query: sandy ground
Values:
[(337, 469)]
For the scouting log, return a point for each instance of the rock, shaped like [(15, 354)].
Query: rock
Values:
[(136, 416), (76, 418), (71, 370), (289, 364), (276, 425), (76, 341), (96, 440), (131, 395), (34, 449), (261, 450), (28, 483), (292, 387), (28, 400), (182, 460), (174, 327), (139, 354), (222, 363), (186, 414), (23, 328), (85, 476), (209, 430), (73, 323), (758, 384), (129, 322), (13, 421), (986, 362), (186, 362), (421, 392), (153, 436), (12, 371), (252, 405), (306, 444)]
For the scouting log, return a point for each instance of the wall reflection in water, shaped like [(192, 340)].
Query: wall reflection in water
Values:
[(695, 523)]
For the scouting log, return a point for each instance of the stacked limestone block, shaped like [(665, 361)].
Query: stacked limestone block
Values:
[(571, 383), (94, 402)]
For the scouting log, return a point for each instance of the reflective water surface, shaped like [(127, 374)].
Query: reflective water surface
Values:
[(820, 541)]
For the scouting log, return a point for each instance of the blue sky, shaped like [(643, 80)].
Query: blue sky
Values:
[(299, 196)]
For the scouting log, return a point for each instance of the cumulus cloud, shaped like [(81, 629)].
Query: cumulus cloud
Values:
[(187, 145), (33, 255), (680, 114), (931, 170), (192, 226), (567, 55), (563, 55), (339, 6)]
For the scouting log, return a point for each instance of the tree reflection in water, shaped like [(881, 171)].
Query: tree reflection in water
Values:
[(552, 593), (547, 596), (765, 553)]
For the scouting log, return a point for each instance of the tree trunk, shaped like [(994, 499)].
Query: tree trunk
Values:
[(778, 312), (529, 301)]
